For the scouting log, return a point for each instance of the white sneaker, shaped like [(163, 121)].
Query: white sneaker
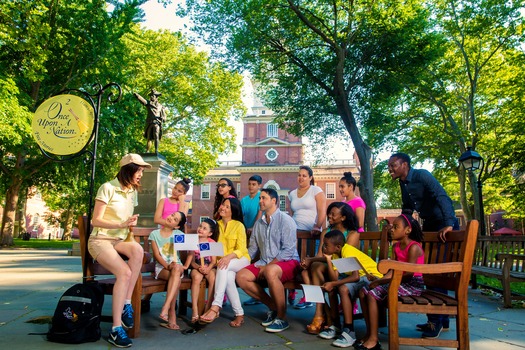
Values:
[(345, 340), (329, 333)]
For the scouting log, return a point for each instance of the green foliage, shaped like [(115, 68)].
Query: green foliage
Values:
[(470, 95), (319, 64), (46, 47)]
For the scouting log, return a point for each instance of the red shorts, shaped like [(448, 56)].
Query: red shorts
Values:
[(289, 268)]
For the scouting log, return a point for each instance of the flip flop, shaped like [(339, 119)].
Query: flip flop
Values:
[(237, 321), (203, 320), (164, 317), (170, 326), (194, 318)]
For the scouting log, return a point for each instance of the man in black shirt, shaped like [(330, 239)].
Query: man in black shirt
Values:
[(421, 192)]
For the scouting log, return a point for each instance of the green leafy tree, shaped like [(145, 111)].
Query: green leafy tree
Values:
[(318, 61), (200, 95), (45, 47), (464, 99), (75, 44)]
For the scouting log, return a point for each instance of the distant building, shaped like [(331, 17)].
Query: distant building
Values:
[(275, 155)]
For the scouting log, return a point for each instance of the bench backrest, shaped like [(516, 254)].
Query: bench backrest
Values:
[(489, 246), (459, 247), (375, 244)]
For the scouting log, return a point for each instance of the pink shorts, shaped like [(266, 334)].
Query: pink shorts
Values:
[(289, 268)]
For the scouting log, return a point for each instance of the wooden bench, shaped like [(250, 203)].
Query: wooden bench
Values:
[(447, 265), (146, 284), (503, 258)]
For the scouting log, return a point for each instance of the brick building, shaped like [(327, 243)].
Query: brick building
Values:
[(275, 155)]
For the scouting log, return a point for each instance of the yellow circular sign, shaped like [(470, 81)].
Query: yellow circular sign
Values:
[(63, 124)]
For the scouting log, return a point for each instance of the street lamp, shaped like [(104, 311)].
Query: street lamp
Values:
[(472, 161)]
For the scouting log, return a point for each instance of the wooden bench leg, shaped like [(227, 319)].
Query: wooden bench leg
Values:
[(505, 283), (136, 302), (474, 281)]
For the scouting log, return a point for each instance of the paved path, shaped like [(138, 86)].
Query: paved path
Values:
[(31, 281)]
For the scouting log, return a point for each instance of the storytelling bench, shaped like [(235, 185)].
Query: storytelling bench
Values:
[(503, 258), (447, 265), (146, 284)]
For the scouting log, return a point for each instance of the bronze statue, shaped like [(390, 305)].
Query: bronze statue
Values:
[(156, 116)]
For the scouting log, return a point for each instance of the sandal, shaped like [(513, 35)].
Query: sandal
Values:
[(316, 326), (204, 319), (164, 317), (237, 321), (171, 326), (194, 319)]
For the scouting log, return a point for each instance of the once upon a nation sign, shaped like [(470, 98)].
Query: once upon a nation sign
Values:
[(63, 124)]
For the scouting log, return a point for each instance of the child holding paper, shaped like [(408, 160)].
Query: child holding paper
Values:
[(346, 284), (407, 232), (203, 267), (341, 218), (168, 266)]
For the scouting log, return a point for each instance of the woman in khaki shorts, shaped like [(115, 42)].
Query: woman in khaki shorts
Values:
[(112, 217)]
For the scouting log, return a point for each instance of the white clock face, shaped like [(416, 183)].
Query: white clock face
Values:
[(272, 154)]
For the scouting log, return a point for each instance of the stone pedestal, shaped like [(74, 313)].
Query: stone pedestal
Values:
[(155, 186)]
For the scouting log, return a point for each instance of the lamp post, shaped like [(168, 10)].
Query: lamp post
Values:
[(471, 161)]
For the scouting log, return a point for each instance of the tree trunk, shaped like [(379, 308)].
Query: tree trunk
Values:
[(68, 225), (364, 154), (8, 219)]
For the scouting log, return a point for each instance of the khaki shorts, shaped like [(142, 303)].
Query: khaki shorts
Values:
[(98, 244)]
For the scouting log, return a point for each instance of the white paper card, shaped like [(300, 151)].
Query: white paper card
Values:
[(211, 249), (347, 265), (313, 294), (185, 242)]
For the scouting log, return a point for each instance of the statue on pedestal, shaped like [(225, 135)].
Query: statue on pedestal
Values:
[(156, 116)]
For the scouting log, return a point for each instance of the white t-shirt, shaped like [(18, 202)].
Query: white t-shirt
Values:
[(305, 208)]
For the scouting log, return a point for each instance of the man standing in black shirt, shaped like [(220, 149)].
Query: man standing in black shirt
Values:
[(421, 192)]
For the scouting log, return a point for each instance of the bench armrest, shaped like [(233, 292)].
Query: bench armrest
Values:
[(385, 265)]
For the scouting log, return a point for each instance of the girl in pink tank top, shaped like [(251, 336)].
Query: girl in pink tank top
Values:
[(408, 234), (176, 202)]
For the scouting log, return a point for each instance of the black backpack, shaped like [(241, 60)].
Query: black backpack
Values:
[(77, 315)]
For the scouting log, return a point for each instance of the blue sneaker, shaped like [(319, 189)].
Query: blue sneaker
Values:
[(303, 304), (127, 316), (119, 338), (251, 301), (277, 326), (270, 317)]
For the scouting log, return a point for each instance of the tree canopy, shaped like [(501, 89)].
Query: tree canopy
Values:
[(426, 78), (50, 46), (320, 63)]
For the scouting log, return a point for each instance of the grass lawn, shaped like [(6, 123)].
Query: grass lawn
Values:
[(517, 287), (43, 244)]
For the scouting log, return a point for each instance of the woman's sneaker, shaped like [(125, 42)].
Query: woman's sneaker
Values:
[(127, 316), (329, 333), (345, 340), (303, 304), (119, 338)]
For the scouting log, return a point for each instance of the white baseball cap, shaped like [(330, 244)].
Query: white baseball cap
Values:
[(133, 158)]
